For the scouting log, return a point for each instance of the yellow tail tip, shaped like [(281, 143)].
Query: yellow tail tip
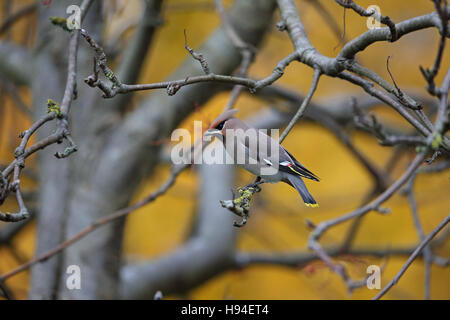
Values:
[(312, 205)]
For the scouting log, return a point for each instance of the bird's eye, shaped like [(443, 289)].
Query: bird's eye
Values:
[(220, 126)]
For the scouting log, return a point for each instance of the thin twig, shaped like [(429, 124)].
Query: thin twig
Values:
[(329, 19), (305, 102), (320, 229), (372, 125), (176, 170), (197, 56), (403, 98), (369, 37), (369, 88), (247, 52), (427, 254), (173, 86), (413, 256), (428, 74), (400, 93), (231, 32), (367, 13), (61, 113)]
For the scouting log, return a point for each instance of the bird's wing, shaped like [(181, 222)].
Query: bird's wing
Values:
[(290, 165), (243, 141), (283, 160)]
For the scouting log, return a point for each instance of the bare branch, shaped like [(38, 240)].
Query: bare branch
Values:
[(301, 259), (367, 13), (247, 50), (197, 56), (413, 256), (361, 42), (176, 170), (330, 20), (374, 205), (371, 124), (136, 49), (430, 75), (173, 86), (369, 88), (305, 51), (54, 112), (315, 235), (304, 104), (404, 99), (427, 254)]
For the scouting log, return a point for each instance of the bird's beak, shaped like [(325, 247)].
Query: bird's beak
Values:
[(212, 132)]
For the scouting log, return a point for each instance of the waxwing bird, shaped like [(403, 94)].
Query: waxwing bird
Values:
[(264, 157)]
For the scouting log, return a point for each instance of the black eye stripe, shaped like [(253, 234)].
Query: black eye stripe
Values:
[(220, 125)]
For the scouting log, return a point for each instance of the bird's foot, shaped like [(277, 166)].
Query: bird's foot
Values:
[(241, 223), (255, 184), (240, 205)]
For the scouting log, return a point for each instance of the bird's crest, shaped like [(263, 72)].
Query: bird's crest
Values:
[(223, 117)]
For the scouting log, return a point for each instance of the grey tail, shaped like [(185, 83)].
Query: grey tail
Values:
[(300, 186)]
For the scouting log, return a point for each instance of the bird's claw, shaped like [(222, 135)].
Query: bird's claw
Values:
[(241, 223), (252, 186), (240, 205), (255, 185)]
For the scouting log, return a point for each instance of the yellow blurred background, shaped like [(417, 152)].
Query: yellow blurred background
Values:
[(278, 217)]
